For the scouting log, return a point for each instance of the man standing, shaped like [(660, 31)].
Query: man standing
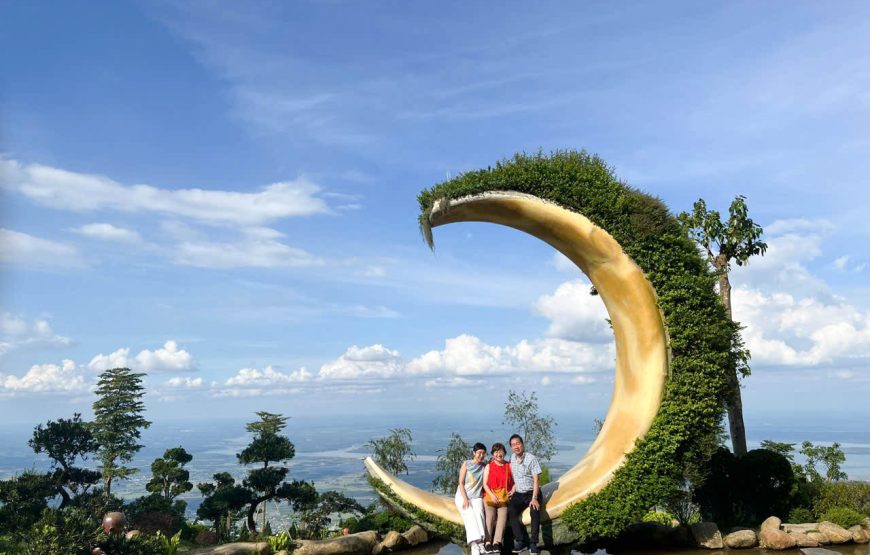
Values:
[(526, 471)]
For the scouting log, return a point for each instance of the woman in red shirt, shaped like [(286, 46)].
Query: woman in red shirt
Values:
[(499, 486)]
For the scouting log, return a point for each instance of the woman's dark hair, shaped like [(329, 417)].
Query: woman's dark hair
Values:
[(478, 446), (497, 447)]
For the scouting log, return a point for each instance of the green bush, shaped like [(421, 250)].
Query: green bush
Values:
[(705, 345), (279, 541), (853, 495), (843, 516), (800, 515), (660, 517)]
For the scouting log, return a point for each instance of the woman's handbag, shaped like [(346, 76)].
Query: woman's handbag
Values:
[(501, 498)]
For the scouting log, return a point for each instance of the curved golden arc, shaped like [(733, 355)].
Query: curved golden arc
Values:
[(641, 341)]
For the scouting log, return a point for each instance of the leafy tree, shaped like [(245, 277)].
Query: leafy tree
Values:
[(832, 457), (222, 500), (313, 521), (22, 500), (64, 441), (267, 482), (169, 477), (394, 451), (118, 422), (738, 239), (521, 413), (448, 463)]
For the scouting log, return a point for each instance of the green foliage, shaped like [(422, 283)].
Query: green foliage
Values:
[(118, 422), (852, 495), (222, 501), (800, 515), (745, 490), (439, 526), (280, 541), (522, 414), (22, 500), (544, 479), (448, 463), (169, 477), (313, 521), (154, 513), (659, 517), (170, 545), (394, 451), (831, 457), (703, 341), (375, 518), (737, 239), (64, 441), (843, 516)]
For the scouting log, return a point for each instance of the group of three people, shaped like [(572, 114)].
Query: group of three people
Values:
[(491, 493)]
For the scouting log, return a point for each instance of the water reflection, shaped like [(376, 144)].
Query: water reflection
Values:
[(447, 548)]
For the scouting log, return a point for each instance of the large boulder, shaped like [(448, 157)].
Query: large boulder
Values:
[(741, 539), (416, 535), (835, 532), (773, 538), (362, 543), (238, 548), (771, 523), (800, 528), (804, 539), (394, 541), (706, 534), (819, 537), (859, 535)]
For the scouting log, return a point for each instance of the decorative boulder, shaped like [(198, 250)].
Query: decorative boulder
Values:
[(835, 532), (362, 543), (416, 535), (772, 538), (771, 523), (741, 539), (800, 528), (859, 535), (238, 548), (394, 541), (819, 537), (707, 535), (805, 540), (113, 523)]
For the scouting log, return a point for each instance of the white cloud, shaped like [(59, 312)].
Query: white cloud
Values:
[(108, 232), (841, 262), (583, 380), (575, 314), (454, 381), (46, 378), (169, 358), (251, 377), (185, 382), (374, 361), (17, 333), (545, 381), (258, 248), (81, 192), (27, 250)]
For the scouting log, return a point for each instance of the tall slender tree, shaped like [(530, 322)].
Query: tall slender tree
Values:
[(737, 239), (118, 423)]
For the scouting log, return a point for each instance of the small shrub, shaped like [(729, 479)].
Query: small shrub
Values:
[(660, 517), (843, 516), (854, 495), (279, 541), (799, 515)]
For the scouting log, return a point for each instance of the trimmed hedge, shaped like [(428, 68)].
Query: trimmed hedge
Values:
[(705, 345)]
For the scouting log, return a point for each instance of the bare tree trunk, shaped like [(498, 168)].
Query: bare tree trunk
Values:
[(734, 402)]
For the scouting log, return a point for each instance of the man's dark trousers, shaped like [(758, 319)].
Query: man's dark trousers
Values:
[(517, 504)]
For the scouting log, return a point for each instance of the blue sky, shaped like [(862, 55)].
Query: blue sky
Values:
[(223, 196)]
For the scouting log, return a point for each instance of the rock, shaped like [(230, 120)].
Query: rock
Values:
[(132, 534), (206, 537), (866, 524), (772, 538), (362, 543), (283, 552), (647, 535), (707, 535), (379, 548), (741, 539), (772, 523), (819, 537), (835, 532), (238, 548), (394, 541), (800, 528), (802, 539), (416, 535), (859, 535)]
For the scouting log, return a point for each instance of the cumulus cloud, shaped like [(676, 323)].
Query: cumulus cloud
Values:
[(374, 361), (109, 232), (16, 332), (169, 358), (82, 192), (46, 378), (247, 377), (185, 382), (258, 248), (575, 314), (27, 250)]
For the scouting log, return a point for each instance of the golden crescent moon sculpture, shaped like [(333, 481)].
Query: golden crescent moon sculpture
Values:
[(642, 359)]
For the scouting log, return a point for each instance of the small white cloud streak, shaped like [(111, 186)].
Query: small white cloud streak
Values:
[(17, 333), (26, 250), (108, 232)]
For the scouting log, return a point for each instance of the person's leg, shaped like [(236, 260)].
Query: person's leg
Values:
[(473, 528), (501, 520), (479, 523), (536, 524), (490, 513), (516, 506)]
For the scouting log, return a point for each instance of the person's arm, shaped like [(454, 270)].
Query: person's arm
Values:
[(510, 479), (536, 493), (461, 487), (486, 483)]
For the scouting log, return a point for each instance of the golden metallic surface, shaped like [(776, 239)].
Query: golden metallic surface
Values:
[(641, 341)]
